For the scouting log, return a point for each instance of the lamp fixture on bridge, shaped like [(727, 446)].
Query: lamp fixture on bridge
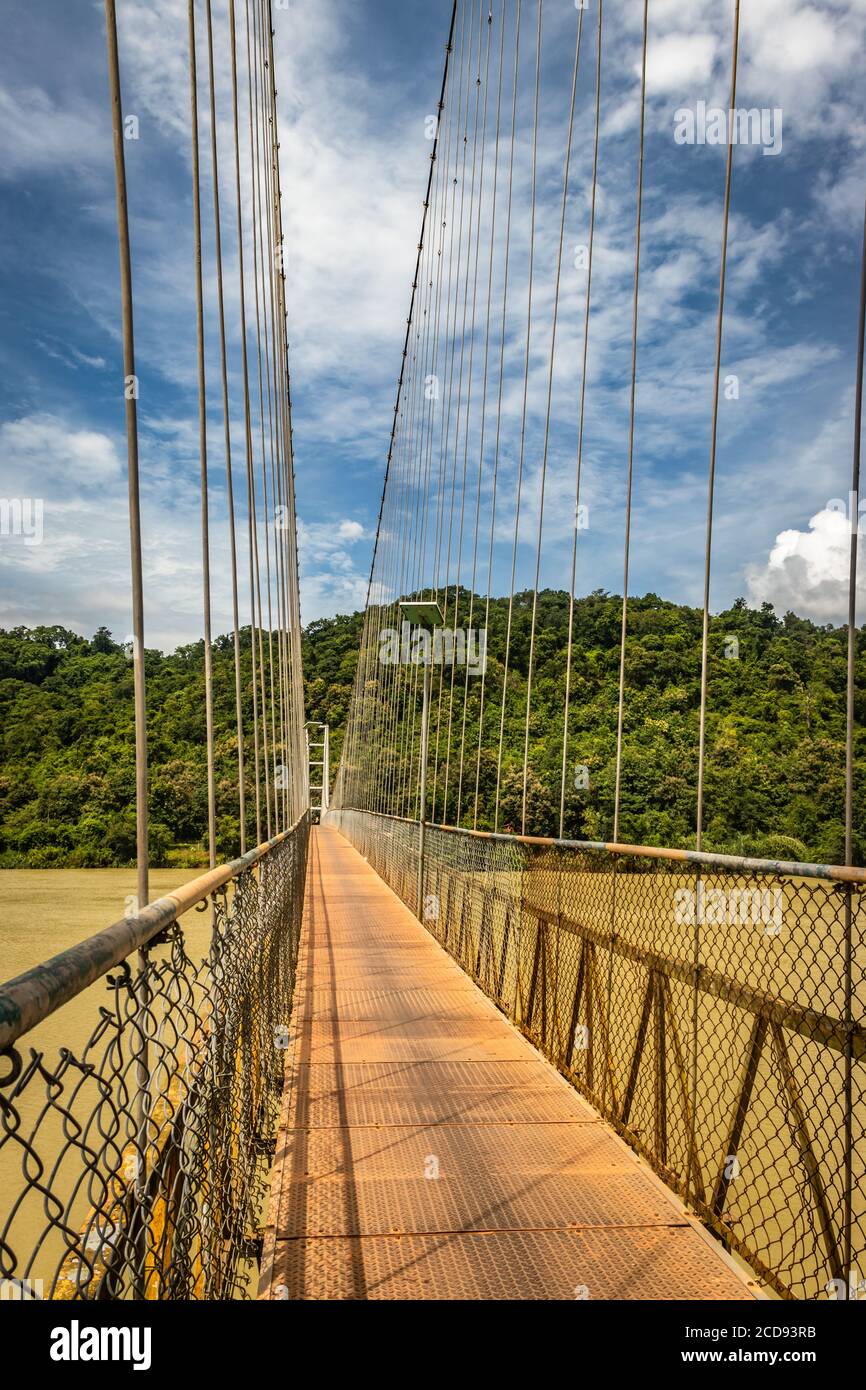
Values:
[(421, 613)]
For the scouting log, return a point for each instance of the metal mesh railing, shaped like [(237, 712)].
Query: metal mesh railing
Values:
[(133, 1161), (712, 1010)]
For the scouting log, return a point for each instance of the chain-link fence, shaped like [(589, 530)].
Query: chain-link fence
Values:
[(711, 1009), (133, 1163)]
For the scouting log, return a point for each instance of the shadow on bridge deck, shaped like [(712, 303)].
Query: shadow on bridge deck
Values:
[(427, 1151)]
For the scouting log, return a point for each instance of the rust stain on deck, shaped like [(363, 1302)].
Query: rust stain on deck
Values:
[(425, 1149)]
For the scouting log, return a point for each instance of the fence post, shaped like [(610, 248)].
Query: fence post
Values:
[(849, 1090), (691, 1173), (422, 819)]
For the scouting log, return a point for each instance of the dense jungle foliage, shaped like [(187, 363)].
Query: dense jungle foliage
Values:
[(775, 735)]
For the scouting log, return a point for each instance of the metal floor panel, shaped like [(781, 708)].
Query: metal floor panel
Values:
[(394, 1108), (443, 1041), (401, 1004), (500, 1201), (376, 934), (465, 1153), (666, 1262), (417, 1093), (426, 1150), (358, 975), (474, 1105), (330, 968), (405, 955), (432, 1079)]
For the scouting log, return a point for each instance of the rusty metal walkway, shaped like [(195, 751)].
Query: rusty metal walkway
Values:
[(427, 1151)]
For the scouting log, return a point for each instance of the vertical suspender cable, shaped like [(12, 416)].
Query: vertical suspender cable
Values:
[(228, 442), (139, 1043), (450, 330), (277, 416), (130, 394), (545, 455), (522, 454), (708, 552), (631, 419), (357, 751), (278, 732), (297, 794), (248, 429), (708, 555), (457, 414), (627, 537), (852, 575), (582, 416), (254, 200), (202, 434), (849, 778), (496, 450), (448, 49), (483, 426), (469, 260)]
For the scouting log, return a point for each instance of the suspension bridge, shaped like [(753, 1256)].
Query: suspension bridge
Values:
[(404, 1046)]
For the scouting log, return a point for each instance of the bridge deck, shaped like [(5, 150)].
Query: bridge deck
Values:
[(426, 1150)]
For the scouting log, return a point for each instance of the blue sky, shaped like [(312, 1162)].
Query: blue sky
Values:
[(356, 82)]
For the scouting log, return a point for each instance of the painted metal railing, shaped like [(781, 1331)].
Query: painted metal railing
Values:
[(136, 1127), (712, 1009)]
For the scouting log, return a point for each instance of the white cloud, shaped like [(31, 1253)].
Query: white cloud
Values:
[(86, 360), (39, 450), (808, 571), (352, 236), (332, 577), (79, 573), (71, 357), (680, 62), (794, 40), (38, 135)]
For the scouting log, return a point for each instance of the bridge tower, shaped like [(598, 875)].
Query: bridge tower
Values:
[(318, 761)]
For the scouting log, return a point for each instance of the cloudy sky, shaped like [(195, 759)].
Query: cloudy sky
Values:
[(356, 84)]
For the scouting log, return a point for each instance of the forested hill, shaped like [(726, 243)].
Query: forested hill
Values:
[(775, 746)]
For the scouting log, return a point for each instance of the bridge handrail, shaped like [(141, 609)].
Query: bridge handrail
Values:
[(28, 999), (836, 873)]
